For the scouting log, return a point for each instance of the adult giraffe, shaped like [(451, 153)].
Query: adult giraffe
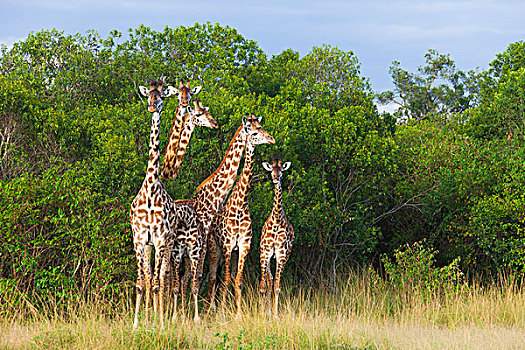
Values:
[(154, 215)]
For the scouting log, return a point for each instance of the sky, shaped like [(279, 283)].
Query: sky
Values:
[(376, 31)]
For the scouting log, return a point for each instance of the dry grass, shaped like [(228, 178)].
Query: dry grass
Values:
[(357, 316)]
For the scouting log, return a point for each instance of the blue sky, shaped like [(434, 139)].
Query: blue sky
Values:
[(377, 31)]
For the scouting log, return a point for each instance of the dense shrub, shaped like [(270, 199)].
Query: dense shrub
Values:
[(413, 271)]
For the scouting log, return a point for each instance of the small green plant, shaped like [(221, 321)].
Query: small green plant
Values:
[(413, 270)]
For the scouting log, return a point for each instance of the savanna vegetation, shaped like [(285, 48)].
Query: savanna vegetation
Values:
[(413, 219)]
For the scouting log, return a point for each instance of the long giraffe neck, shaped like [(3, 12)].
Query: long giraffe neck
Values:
[(212, 191), (169, 170), (277, 210), (184, 142), (241, 187), (152, 174)]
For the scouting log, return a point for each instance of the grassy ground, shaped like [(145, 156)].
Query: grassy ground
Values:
[(356, 316)]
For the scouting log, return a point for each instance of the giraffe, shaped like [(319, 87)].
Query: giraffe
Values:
[(276, 237), (153, 215), (184, 94), (188, 239), (232, 227)]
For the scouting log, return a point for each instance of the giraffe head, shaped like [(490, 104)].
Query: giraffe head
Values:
[(155, 95), (276, 168), (200, 116), (184, 93), (256, 135)]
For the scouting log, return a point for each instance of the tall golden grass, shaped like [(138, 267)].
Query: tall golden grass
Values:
[(357, 315)]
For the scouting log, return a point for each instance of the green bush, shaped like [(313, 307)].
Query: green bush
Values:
[(62, 236), (413, 271)]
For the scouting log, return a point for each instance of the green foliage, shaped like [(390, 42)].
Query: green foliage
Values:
[(413, 270), (502, 115), (74, 149), (466, 197), (57, 229), (438, 88)]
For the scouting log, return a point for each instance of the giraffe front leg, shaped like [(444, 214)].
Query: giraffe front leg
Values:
[(243, 253), (195, 287), (139, 252), (265, 255), (280, 261), (265, 285), (269, 282), (163, 279), (148, 278)]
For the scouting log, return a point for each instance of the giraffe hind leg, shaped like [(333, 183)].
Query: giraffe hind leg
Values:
[(176, 285), (214, 254), (226, 278), (194, 265), (184, 282)]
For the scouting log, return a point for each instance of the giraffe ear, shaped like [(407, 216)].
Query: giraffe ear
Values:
[(286, 166), (267, 166), (144, 90), (170, 91), (196, 90), (259, 119)]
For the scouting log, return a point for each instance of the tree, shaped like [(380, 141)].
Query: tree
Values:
[(438, 88), (501, 109)]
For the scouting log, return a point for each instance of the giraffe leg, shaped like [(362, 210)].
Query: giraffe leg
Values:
[(171, 281), (163, 269), (226, 277), (202, 257), (280, 261), (269, 282), (214, 264), (140, 283), (148, 279), (264, 288), (194, 265), (244, 248), (184, 282), (176, 284), (155, 281)]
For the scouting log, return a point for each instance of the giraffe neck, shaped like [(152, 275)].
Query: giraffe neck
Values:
[(242, 185), (184, 142), (152, 174), (212, 191), (277, 210), (169, 170)]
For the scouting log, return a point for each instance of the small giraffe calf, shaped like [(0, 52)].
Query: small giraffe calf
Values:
[(276, 237)]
